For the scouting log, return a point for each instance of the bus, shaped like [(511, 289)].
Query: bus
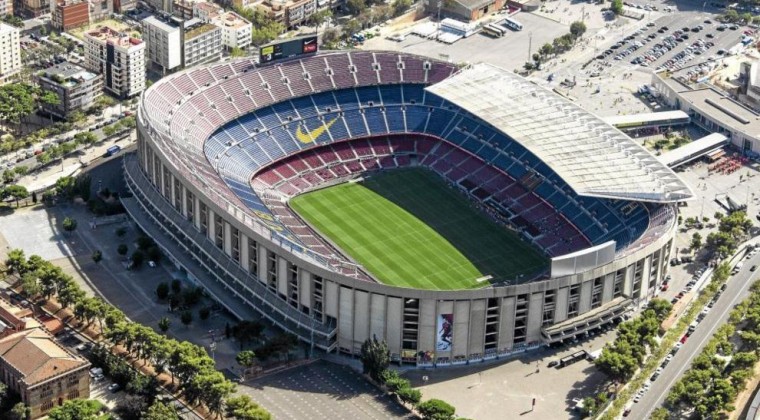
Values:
[(513, 24), (113, 150), (493, 30)]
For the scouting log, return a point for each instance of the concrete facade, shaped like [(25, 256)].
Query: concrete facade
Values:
[(10, 53), (119, 58), (76, 88)]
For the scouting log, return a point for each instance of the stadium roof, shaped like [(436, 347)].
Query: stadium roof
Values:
[(594, 158)]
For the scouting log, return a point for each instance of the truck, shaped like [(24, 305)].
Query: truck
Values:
[(113, 150)]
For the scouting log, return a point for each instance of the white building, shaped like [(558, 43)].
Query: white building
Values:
[(202, 42), (173, 43), (236, 31), (10, 52), (164, 39), (119, 57)]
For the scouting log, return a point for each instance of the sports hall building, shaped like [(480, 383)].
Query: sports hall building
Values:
[(223, 147)]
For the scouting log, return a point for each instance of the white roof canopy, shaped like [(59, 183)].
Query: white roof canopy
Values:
[(594, 158)]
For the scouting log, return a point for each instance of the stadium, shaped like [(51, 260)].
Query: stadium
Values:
[(461, 213)]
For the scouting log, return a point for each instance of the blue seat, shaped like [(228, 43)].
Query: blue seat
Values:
[(368, 94), (305, 106), (324, 100), (355, 123), (375, 121), (395, 118), (347, 98), (416, 118), (413, 93), (391, 94)]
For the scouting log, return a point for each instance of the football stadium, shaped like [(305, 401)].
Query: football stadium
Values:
[(460, 213)]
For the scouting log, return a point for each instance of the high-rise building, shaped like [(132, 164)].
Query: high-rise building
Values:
[(236, 31), (10, 52), (6, 7), (164, 38), (202, 42), (173, 42), (76, 87), (31, 8), (119, 57), (71, 14), (288, 12)]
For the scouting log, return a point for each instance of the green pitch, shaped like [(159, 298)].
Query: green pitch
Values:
[(409, 229)]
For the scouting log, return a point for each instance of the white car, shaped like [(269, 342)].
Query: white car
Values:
[(152, 264)]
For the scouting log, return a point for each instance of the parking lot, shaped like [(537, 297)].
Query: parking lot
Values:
[(322, 390), (674, 42)]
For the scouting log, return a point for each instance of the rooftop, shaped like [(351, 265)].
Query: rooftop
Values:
[(4, 29), (726, 111), (112, 36), (37, 356), (594, 158), (166, 25), (232, 20), (67, 74), (195, 28)]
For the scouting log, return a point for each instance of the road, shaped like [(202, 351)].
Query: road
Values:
[(737, 289)]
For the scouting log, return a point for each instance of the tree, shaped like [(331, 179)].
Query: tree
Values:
[(661, 308), (237, 52), (375, 357), (162, 290), (617, 365), (186, 317), (356, 7), (97, 255), (76, 409), (246, 358), (397, 383), (400, 7), (244, 408), (137, 258), (577, 29), (176, 286), (247, 331), (617, 7), (122, 249), (69, 224), (17, 192), (204, 313), (660, 413), (265, 28), (409, 395), (696, 241), (16, 261), (19, 412), (85, 138), (164, 324), (160, 411), (30, 285), (731, 16), (434, 409), (120, 232), (351, 27), (17, 101)]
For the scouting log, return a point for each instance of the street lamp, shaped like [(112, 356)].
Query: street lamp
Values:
[(212, 347)]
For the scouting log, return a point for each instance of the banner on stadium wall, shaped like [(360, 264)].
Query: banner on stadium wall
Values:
[(445, 332)]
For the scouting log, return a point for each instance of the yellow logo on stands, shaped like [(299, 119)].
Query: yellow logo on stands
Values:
[(313, 135)]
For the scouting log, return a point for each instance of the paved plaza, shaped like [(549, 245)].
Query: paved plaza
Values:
[(322, 390)]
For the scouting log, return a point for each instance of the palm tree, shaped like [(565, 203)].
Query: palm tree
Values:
[(164, 324)]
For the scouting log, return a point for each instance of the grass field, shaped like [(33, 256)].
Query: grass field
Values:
[(409, 229)]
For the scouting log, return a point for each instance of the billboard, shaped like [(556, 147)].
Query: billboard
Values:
[(288, 48), (445, 332)]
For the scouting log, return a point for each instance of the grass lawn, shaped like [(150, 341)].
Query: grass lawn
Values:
[(409, 229)]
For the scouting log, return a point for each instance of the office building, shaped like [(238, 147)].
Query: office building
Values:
[(164, 39), (202, 42), (119, 57)]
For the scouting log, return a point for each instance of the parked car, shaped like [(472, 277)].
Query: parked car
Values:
[(114, 387)]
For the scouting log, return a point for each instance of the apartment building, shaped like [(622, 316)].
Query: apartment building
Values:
[(119, 57), (76, 87), (31, 8), (161, 5), (6, 7), (174, 43), (289, 12), (202, 42), (164, 39), (122, 6), (33, 365), (70, 14), (236, 31), (10, 53)]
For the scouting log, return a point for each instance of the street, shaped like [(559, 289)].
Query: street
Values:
[(737, 289)]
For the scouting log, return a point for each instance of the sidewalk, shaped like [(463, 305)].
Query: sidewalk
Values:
[(71, 165)]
